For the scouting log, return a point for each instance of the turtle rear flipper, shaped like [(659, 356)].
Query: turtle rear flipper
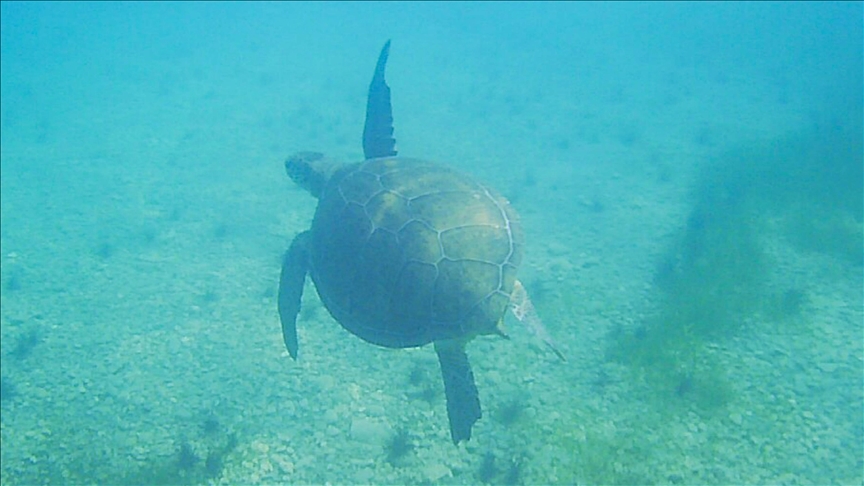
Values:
[(524, 311), (463, 400), (295, 265)]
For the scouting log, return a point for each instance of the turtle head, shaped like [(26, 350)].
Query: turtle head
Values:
[(310, 170)]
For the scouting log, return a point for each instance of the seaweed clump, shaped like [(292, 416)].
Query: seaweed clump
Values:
[(186, 457), (490, 473), (422, 387), (512, 411), (398, 447), (211, 426), (185, 466), (25, 344), (13, 283), (804, 190), (8, 390)]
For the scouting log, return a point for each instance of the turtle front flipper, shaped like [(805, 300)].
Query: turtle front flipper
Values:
[(463, 400), (295, 265), (378, 138)]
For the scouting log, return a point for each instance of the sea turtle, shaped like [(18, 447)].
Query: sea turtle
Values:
[(404, 253)]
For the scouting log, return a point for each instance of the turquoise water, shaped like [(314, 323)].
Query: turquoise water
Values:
[(689, 177)]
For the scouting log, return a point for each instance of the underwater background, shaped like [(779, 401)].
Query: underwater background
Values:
[(689, 177)]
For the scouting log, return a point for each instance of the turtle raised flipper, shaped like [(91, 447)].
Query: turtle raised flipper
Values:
[(378, 138), (463, 400), (295, 264)]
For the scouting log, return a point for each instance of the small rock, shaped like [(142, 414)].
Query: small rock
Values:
[(827, 367), (370, 431), (285, 465), (364, 476), (556, 248), (260, 447), (330, 416), (326, 382), (735, 417), (436, 472), (376, 410)]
